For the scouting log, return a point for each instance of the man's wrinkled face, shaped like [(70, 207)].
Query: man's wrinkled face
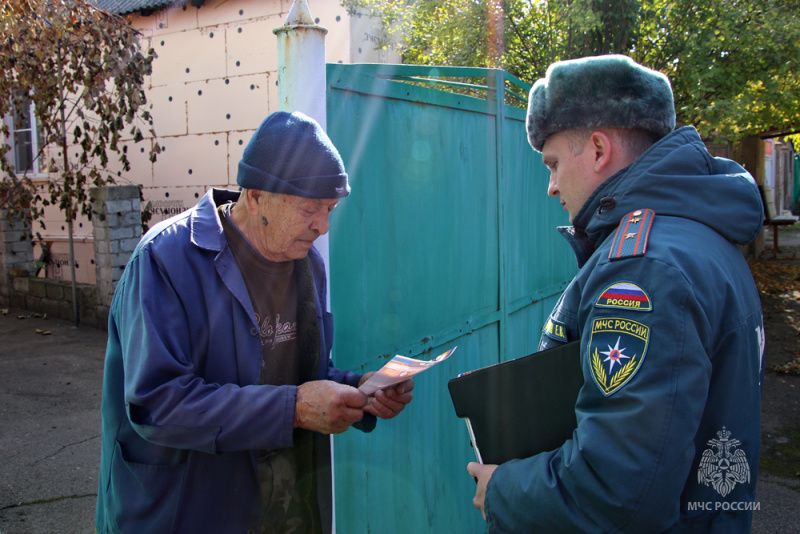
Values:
[(290, 224), (570, 171)]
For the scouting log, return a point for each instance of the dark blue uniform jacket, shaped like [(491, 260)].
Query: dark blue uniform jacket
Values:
[(672, 342)]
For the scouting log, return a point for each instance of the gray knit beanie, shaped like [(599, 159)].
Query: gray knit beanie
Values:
[(609, 91), (291, 154)]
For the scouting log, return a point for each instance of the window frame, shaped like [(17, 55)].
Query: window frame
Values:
[(32, 129)]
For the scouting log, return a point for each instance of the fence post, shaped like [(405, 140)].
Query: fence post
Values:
[(117, 228), (301, 64), (16, 252)]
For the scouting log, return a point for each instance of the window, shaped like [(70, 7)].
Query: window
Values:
[(25, 139)]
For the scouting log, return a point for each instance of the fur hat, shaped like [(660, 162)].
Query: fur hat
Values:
[(609, 91), (291, 154)]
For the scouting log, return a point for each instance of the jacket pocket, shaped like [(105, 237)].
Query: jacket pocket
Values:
[(144, 497)]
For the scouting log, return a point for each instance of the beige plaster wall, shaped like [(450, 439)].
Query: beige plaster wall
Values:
[(213, 82)]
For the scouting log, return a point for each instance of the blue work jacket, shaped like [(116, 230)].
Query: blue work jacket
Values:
[(183, 411), (672, 342)]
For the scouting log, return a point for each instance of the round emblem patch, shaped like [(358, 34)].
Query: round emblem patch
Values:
[(617, 348)]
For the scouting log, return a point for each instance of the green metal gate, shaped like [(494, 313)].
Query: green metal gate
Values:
[(448, 238)]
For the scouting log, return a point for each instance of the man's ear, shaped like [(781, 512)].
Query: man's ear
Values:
[(603, 149), (251, 200)]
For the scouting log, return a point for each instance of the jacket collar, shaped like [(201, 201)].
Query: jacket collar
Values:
[(206, 228)]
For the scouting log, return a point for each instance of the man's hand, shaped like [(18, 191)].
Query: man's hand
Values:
[(328, 407), (388, 402), (481, 473)]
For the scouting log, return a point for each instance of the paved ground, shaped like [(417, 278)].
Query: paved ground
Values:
[(49, 424), (50, 383)]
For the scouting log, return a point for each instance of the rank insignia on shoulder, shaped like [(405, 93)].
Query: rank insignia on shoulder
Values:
[(555, 329), (617, 348), (632, 233), (625, 296)]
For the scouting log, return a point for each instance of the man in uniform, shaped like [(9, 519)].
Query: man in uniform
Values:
[(666, 312)]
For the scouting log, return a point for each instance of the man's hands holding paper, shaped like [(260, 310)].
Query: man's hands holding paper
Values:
[(481, 473), (390, 401), (328, 407)]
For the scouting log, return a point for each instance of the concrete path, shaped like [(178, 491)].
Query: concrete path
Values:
[(50, 386)]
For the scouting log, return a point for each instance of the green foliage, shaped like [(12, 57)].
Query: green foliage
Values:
[(734, 64), (84, 71)]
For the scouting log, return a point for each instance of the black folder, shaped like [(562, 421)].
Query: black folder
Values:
[(521, 407)]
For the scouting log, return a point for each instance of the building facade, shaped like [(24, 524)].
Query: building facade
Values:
[(213, 82)]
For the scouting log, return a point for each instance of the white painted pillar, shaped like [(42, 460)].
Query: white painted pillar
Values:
[(301, 87), (301, 63), (301, 78)]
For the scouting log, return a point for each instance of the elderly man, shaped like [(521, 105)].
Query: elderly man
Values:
[(666, 312), (219, 392)]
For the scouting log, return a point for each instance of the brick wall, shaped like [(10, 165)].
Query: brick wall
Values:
[(116, 230), (54, 298), (16, 251)]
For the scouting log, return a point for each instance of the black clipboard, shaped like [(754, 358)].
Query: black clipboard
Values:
[(521, 407)]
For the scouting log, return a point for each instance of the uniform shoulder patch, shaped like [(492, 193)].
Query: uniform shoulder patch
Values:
[(624, 296), (617, 348), (632, 233), (555, 329)]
